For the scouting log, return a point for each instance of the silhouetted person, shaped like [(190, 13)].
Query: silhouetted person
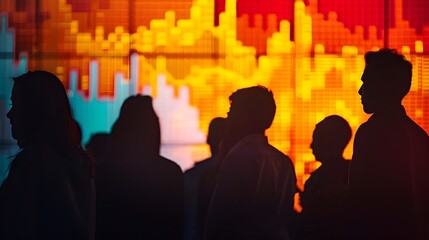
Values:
[(77, 135), (97, 146), (255, 186), (47, 194), (195, 219), (140, 193), (389, 173), (326, 189)]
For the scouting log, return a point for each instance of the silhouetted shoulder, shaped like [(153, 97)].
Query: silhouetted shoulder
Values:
[(167, 163), (201, 165), (365, 129), (417, 129), (367, 125), (252, 151), (370, 131), (280, 155), (169, 173)]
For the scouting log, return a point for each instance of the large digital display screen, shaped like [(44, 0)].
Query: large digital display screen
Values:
[(190, 55)]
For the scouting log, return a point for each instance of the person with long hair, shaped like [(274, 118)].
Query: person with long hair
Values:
[(48, 192), (139, 192)]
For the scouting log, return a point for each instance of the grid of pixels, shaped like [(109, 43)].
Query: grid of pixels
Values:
[(309, 53)]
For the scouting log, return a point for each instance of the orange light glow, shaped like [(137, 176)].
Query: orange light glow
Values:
[(312, 61)]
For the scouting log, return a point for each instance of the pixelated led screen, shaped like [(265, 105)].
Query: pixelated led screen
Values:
[(191, 55)]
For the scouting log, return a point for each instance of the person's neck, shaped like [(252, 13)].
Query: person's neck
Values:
[(389, 108), (333, 160)]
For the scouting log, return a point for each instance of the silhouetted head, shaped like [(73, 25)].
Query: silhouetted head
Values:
[(137, 129), (216, 132), (252, 109), (41, 112), (330, 138), (98, 144), (386, 80)]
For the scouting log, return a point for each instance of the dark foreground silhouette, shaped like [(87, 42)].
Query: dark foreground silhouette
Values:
[(326, 191), (255, 185), (48, 193), (139, 193), (248, 192), (389, 177), (196, 203), (97, 145)]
